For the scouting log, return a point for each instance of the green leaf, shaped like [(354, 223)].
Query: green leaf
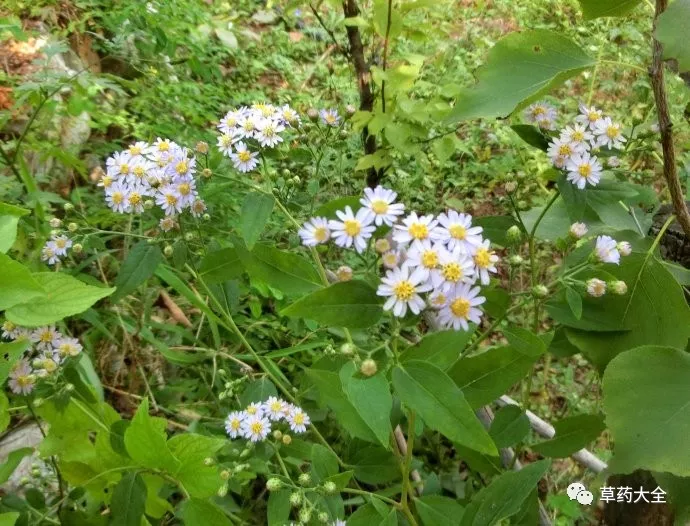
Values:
[(524, 341), (9, 518), (521, 67), (221, 265), (353, 304), (497, 301), (256, 209), (288, 272), (66, 296), (597, 8), (574, 302), (8, 232), (129, 499), (145, 440), (672, 30), (485, 377), (139, 266), (504, 496), (329, 209), (197, 512), (374, 465), (532, 136), (555, 223), (509, 427), (572, 434), (258, 391), (4, 412), (192, 450), (435, 510), (324, 463), (426, 389), (441, 348), (495, 228), (371, 398), (13, 460), (278, 507), (17, 285), (9, 354), (367, 515), (647, 405)]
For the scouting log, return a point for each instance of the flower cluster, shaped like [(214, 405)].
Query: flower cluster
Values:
[(572, 150), (542, 114), (254, 423), (48, 351), (245, 130), (443, 256), (145, 175), (608, 250), (56, 248)]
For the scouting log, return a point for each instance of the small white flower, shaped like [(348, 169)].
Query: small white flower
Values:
[(48, 253), (330, 117), (416, 227), (578, 230), (542, 114), (22, 379), (9, 330), (198, 207), (135, 198), (437, 300), (246, 127), (233, 423), (561, 150), (255, 428), (456, 230), (228, 123), (225, 143), (577, 135), (137, 149), (454, 267), (268, 133), (424, 255), (169, 200), (315, 231), (339, 522), (116, 197), (68, 347), (624, 248), (589, 116), (167, 224), (298, 419), (255, 409), (485, 262), (596, 287), (461, 307), (381, 203), (274, 408), (289, 116), (391, 259), (244, 160), (402, 290), (119, 165), (609, 133), (46, 338), (606, 250), (352, 229), (583, 170)]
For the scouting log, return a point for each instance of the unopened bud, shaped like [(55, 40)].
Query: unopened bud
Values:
[(202, 147), (304, 479), (222, 491), (206, 173), (304, 515), (274, 484), (368, 367), (618, 287), (323, 517), (206, 217), (55, 222), (382, 245), (511, 186), (540, 291), (578, 230), (69, 387), (287, 440), (516, 260), (295, 499), (350, 110), (168, 250), (225, 474), (209, 461), (72, 227), (189, 236), (344, 273), (329, 487), (296, 179), (277, 434), (148, 204), (68, 207), (514, 234), (313, 114), (348, 349), (624, 248)]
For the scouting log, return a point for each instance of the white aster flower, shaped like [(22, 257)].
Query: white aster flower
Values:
[(315, 231), (167, 223), (437, 300), (10, 330), (583, 169), (225, 143), (454, 267), (68, 347), (255, 428), (391, 259), (233, 423), (247, 126), (274, 408), (461, 307), (485, 262), (606, 250), (424, 255), (140, 172), (228, 123), (116, 197), (561, 150), (541, 114), (61, 243), (135, 198), (578, 230), (162, 146), (402, 290), (298, 419), (330, 117), (186, 189), (596, 287), (169, 200), (198, 207), (609, 133), (119, 165), (268, 133), (138, 149), (577, 135), (22, 379), (456, 230), (46, 337), (381, 203), (416, 227), (244, 160), (289, 116), (352, 229), (48, 253), (255, 409), (589, 116)]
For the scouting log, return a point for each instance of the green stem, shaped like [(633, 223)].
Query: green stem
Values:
[(407, 463)]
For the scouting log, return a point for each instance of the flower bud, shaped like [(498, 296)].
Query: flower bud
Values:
[(149, 204), (206, 173), (68, 207), (514, 234), (323, 517), (312, 114), (577, 230), (287, 439), (304, 479), (368, 367), (382, 245), (277, 434), (624, 248), (618, 287), (510, 186), (225, 474), (540, 291), (209, 461), (296, 179), (274, 484), (222, 491), (38, 402), (295, 499), (596, 287), (153, 181), (348, 349), (613, 162), (516, 260), (285, 172), (344, 273), (168, 250), (72, 227), (69, 387), (350, 110), (202, 147), (206, 217), (189, 236), (329, 487), (55, 222), (304, 515)]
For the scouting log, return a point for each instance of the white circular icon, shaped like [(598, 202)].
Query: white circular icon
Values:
[(574, 489), (585, 497)]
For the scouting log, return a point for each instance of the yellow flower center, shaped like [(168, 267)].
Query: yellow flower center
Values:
[(578, 136), (419, 231), (134, 198), (594, 116), (440, 299), (225, 140), (612, 132), (9, 326), (124, 168), (585, 170), (403, 290), (235, 424), (117, 197), (430, 259), (538, 111), (379, 206), (269, 131), (65, 349), (251, 410), (61, 243), (49, 365), (46, 337), (171, 199), (565, 150), (330, 119), (184, 188), (460, 308), (352, 227), (134, 150), (452, 272), (24, 380), (139, 171), (49, 252), (298, 418), (244, 156), (181, 167), (256, 427), (390, 259), (107, 181), (321, 234), (482, 258), (248, 126), (458, 232), (276, 406)]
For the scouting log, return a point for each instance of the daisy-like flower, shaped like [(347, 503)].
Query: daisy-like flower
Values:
[(228, 123), (255, 409), (264, 110), (596, 287), (461, 308), (583, 169), (274, 408), (169, 200), (315, 231), (244, 160), (22, 379), (46, 338), (589, 116), (578, 135), (437, 300), (454, 267), (198, 207), (186, 189), (606, 250), (9, 330), (609, 133), (135, 198), (578, 230), (140, 172), (225, 143), (268, 133), (416, 228), (116, 197), (289, 115), (119, 165), (138, 149), (66, 347), (48, 254), (233, 423), (402, 290), (456, 230), (48, 362), (344, 273), (391, 259), (352, 229), (541, 114), (61, 244), (561, 150), (424, 255), (246, 127), (105, 181), (624, 248), (381, 203), (485, 262), (161, 145), (167, 224), (255, 428), (330, 117), (298, 419)]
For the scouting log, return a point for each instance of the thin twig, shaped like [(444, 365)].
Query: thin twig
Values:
[(328, 30), (385, 54)]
